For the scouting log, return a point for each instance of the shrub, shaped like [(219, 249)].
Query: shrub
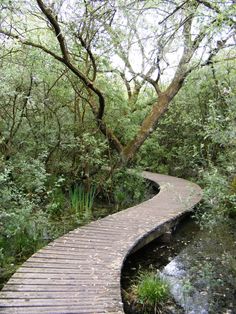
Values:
[(23, 225), (219, 199), (128, 188), (150, 291)]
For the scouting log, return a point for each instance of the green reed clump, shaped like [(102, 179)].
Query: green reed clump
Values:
[(150, 291), (82, 201)]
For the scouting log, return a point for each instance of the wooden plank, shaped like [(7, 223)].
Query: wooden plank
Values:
[(41, 264), (64, 276), (52, 288), (65, 281), (70, 309), (86, 239), (54, 270), (79, 292), (88, 301)]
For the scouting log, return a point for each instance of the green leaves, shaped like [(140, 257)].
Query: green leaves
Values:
[(23, 225)]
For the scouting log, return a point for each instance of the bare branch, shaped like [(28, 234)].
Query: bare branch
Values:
[(91, 56), (53, 21), (31, 44), (173, 12), (220, 45), (66, 60), (9, 53), (214, 8)]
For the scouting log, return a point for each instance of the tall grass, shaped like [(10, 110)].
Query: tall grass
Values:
[(150, 292), (82, 201)]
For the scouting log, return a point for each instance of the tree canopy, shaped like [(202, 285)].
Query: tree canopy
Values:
[(140, 44)]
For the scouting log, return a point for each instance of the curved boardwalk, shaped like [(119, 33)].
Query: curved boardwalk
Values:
[(80, 272)]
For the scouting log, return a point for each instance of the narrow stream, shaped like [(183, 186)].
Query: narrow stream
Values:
[(208, 260)]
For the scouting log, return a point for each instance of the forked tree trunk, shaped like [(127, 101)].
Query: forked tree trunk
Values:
[(148, 126), (150, 122)]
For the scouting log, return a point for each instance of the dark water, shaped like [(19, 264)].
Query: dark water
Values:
[(209, 256)]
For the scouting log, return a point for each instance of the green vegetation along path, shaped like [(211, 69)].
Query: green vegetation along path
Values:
[(80, 272)]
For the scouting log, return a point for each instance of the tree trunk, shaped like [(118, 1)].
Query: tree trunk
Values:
[(147, 127)]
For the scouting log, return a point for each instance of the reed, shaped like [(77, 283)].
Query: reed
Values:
[(82, 201)]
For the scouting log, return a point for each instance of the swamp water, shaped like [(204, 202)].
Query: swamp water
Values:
[(199, 265)]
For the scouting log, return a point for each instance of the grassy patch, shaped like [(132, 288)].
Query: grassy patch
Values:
[(150, 292)]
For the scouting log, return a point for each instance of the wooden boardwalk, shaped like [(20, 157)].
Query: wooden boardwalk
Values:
[(80, 272)]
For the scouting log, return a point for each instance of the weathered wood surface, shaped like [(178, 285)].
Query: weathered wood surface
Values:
[(80, 272)]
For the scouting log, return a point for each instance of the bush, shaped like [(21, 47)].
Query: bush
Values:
[(122, 188), (128, 188), (23, 225), (219, 199), (151, 291)]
